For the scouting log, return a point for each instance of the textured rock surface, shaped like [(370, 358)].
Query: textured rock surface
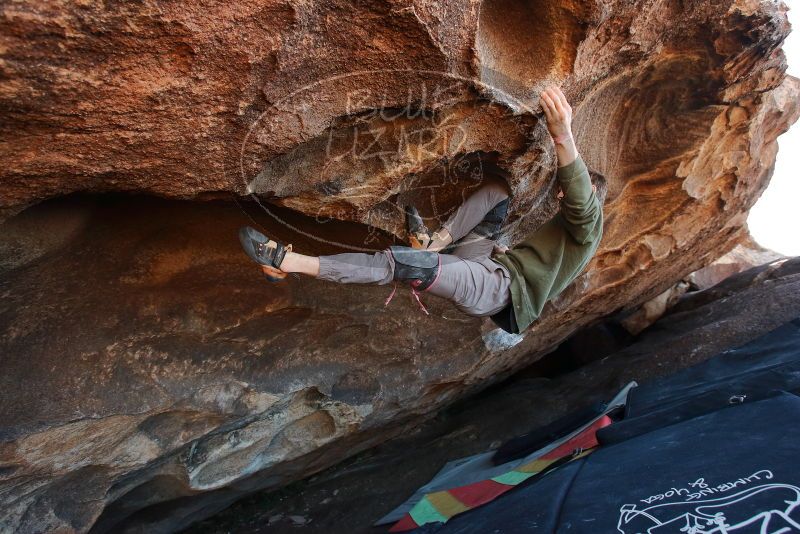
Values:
[(742, 257), (745, 255), (351, 496), (148, 377)]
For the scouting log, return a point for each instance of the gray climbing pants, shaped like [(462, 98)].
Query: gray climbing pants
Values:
[(476, 284)]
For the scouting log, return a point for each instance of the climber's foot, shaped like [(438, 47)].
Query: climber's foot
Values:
[(265, 252), (418, 235)]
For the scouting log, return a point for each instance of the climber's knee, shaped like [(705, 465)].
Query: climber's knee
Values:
[(420, 268)]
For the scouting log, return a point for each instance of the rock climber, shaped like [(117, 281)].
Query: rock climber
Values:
[(513, 286)]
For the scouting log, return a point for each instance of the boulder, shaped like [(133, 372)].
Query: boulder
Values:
[(351, 496), (743, 256), (149, 376)]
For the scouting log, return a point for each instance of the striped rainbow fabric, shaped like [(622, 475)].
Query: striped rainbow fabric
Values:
[(440, 506)]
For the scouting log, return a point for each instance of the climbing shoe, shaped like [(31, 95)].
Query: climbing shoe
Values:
[(265, 252), (418, 235)]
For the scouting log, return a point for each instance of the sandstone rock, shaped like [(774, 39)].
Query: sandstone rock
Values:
[(351, 496), (149, 377), (743, 256), (653, 309)]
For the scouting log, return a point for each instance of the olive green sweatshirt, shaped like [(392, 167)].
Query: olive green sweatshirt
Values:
[(546, 261)]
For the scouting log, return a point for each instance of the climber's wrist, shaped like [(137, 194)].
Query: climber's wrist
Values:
[(562, 138), (566, 151)]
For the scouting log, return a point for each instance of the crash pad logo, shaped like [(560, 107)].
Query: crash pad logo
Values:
[(748, 505), (360, 146)]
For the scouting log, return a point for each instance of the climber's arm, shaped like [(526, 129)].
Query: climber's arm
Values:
[(580, 207)]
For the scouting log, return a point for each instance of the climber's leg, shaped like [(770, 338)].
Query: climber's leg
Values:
[(477, 288), (356, 268), (300, 263), (473, 247), (419, 268), (276, 260), (480, 241), (483, 212)]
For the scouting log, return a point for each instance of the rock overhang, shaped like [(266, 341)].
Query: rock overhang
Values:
[(194, 386)]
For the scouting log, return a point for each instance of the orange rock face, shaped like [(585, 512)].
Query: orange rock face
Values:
[(190, 383)]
